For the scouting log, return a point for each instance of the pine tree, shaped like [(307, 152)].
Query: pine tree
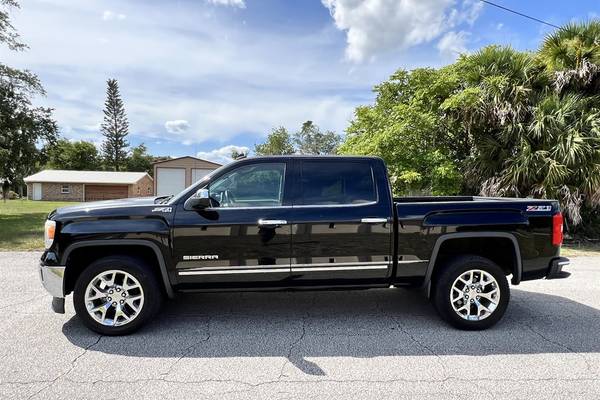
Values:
[(114, 128)]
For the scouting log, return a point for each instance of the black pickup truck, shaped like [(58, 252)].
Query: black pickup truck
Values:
[(291, 223)]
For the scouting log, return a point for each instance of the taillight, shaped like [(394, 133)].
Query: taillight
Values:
[(557, 229)]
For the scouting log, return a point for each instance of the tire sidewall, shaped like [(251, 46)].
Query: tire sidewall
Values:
[(446, 279), (133, 266)]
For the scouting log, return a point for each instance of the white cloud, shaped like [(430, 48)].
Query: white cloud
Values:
[(233, 3), (376, 26), (177, 126), (223, 154), (173, 64), (109, 15), (453, 44)]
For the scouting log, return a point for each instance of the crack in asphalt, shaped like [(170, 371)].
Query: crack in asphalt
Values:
[(420, 344), (188, 350), (64, 374), (23, 302), (291, 349)]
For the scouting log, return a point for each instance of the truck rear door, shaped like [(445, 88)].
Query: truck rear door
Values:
[(341, 221)]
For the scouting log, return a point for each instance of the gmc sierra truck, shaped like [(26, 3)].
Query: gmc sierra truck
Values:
[(291, 223)]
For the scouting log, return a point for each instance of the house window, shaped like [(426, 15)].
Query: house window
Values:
[(139, 190), (65, 189), (149, 189)]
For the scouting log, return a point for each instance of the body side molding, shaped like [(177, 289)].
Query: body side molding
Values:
[(126, 242), (516, 279)]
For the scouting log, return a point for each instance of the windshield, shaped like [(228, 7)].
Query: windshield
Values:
[(194, 187)]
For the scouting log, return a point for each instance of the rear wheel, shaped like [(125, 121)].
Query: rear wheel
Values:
[(471, 293), (116, 295)]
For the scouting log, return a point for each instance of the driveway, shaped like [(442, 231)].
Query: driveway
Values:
[(372, 344)]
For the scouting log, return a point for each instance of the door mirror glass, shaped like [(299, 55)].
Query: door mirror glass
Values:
[(198, 200)]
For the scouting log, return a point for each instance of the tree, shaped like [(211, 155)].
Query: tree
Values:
[(405, 128), (238, 154), (497, 122), (310, 140), (23, 127), (80, 155), (572, 55), (8, 34), (115, 128), (139, 160), (279, 142)]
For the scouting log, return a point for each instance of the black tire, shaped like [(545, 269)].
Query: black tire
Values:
[(147, 279), (443, 285)]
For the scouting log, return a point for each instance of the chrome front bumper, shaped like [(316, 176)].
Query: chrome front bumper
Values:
[(52, 279)]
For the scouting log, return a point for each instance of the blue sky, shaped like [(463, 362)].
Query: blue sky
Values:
[(201, 77)]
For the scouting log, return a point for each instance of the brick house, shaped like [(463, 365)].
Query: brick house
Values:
[(59, 185)]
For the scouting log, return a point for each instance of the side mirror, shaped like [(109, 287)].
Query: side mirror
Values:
[(198, 201)]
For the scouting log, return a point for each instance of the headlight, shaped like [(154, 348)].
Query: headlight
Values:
[(49, 230)]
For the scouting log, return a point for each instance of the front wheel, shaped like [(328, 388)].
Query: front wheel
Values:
[(116, 295), (471, 293)]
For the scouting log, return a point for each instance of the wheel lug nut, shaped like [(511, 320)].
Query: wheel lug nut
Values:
[(109, 298), (114, 303), (477, 297), (472, 301), (111, 291), (123, 294), (122, 301)]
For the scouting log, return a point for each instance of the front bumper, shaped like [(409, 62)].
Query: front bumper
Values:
[(555, 270), (52, 278)]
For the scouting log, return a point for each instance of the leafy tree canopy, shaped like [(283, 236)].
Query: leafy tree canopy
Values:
[(279, 142), (23, 127), (496, 122), (308, 140), (80, 155)]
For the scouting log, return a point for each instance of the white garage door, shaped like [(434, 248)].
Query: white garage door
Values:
[(199, 173), (169, 181)]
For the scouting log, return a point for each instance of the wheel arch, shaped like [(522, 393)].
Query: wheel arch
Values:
[(445, 242), (94, 249)]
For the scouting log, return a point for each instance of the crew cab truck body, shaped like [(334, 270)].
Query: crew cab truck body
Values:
[(295, 222)]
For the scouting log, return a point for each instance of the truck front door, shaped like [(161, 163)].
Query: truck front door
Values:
[(342, 222), (244, 238)]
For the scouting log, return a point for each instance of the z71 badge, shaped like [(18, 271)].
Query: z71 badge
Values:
[(539, 208)]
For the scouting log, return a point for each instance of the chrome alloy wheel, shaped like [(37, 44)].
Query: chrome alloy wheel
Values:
[(475, 295), (114, 298)]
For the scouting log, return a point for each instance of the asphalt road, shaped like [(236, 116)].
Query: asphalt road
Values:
[(374, 344)]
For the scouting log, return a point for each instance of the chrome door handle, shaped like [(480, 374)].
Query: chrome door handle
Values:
[(271, 222), (374, 220)]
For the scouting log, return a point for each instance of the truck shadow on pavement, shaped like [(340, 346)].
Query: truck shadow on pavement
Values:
[(304, 326)]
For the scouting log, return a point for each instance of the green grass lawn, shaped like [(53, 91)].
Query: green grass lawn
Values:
[(22, 223), (580, 249)]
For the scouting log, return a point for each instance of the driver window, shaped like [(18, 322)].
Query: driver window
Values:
[(255, 185)]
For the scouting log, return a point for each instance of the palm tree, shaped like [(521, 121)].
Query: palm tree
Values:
[(572, 54)]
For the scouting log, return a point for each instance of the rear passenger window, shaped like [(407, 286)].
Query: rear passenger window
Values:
[(334, 182)]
